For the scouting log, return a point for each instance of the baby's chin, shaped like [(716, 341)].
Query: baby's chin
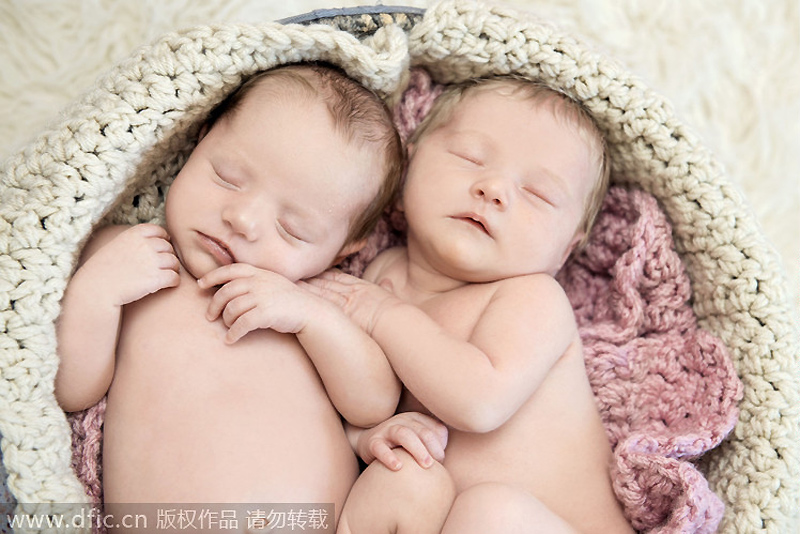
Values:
[(195, 271)]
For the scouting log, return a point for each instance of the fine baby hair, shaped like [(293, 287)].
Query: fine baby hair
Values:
[(358, 113), (110, 156)]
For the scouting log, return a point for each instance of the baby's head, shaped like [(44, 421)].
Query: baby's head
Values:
[(291, 174), (535, 167)]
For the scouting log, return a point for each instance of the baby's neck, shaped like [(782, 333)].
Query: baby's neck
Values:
[(422, 281)]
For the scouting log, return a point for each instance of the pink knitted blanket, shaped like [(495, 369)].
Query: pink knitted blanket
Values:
[(666, 389)]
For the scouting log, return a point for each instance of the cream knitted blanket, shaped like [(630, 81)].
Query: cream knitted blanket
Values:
[(116, 149)]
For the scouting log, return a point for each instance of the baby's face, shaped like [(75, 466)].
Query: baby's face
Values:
[(498, 191), (273, 186)]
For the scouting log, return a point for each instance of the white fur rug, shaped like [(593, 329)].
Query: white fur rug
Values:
[(730, 67)]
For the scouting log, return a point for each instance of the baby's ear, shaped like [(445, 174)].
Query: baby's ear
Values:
[(399, 205), (203, 131), (576, 239), (352, 248)]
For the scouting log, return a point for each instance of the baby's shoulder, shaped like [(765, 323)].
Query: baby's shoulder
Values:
[(101, 237), (533, 290), (383, 263)]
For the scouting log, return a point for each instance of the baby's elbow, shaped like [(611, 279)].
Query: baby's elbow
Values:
[(481, 425), (367, 415), (368, 418), (479, 418), (73, 404), (71, 400)]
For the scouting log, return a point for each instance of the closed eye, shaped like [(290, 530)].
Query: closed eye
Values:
[(289, 234), (225, 181), (537, 196), (469, 158)]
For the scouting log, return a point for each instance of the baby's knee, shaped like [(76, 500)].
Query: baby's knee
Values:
[(412, 499), (425, 485)]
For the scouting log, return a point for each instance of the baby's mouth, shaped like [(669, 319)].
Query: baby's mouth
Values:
[(218, 249), (476, 221)]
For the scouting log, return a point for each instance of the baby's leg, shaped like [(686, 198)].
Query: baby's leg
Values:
[(412, 500), (494, 507)]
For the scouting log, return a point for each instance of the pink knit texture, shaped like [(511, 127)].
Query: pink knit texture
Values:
[(666, 389), (87, 450)]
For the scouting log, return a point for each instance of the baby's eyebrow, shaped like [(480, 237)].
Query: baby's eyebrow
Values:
[(473, 140), (468, 134), (231, 157), (554, 177)]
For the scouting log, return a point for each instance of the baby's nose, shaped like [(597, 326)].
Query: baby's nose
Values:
[(243, 219), (492, 190)]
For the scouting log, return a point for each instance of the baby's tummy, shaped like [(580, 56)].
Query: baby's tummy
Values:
[(203, 423)]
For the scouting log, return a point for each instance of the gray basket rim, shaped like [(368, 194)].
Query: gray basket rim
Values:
[(328, 13)]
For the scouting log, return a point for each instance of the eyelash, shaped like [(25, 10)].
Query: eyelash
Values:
[(469, 158), (538, 196), (292, 235), (225, 182)]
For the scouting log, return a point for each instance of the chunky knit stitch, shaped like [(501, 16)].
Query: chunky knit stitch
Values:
[(666, 390), (112, 155)]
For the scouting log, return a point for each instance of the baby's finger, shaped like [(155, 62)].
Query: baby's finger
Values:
[(432, 443), (221, 298), (324, 283), (169, 278), (168, 260), (321, 289), (151, 230), (330, 274), (236, 308), (385, 455), (243, 325), (412, 442), (223, 275), (338, 277), (438, 429)]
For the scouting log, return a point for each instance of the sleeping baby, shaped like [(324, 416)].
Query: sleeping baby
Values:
[(505, 178), (223, 376)]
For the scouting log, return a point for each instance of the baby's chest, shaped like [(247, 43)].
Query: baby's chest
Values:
[(459, 311), (173, 317), (169, 331)]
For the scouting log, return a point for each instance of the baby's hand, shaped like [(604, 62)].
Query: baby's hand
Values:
[(135, 263), (424, 437), (251, 298), (362, 301)]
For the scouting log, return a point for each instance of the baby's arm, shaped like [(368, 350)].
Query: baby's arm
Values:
[(356, 374), (119, 265), (474, 384)]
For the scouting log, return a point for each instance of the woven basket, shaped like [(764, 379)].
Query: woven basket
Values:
[(116, 149)]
